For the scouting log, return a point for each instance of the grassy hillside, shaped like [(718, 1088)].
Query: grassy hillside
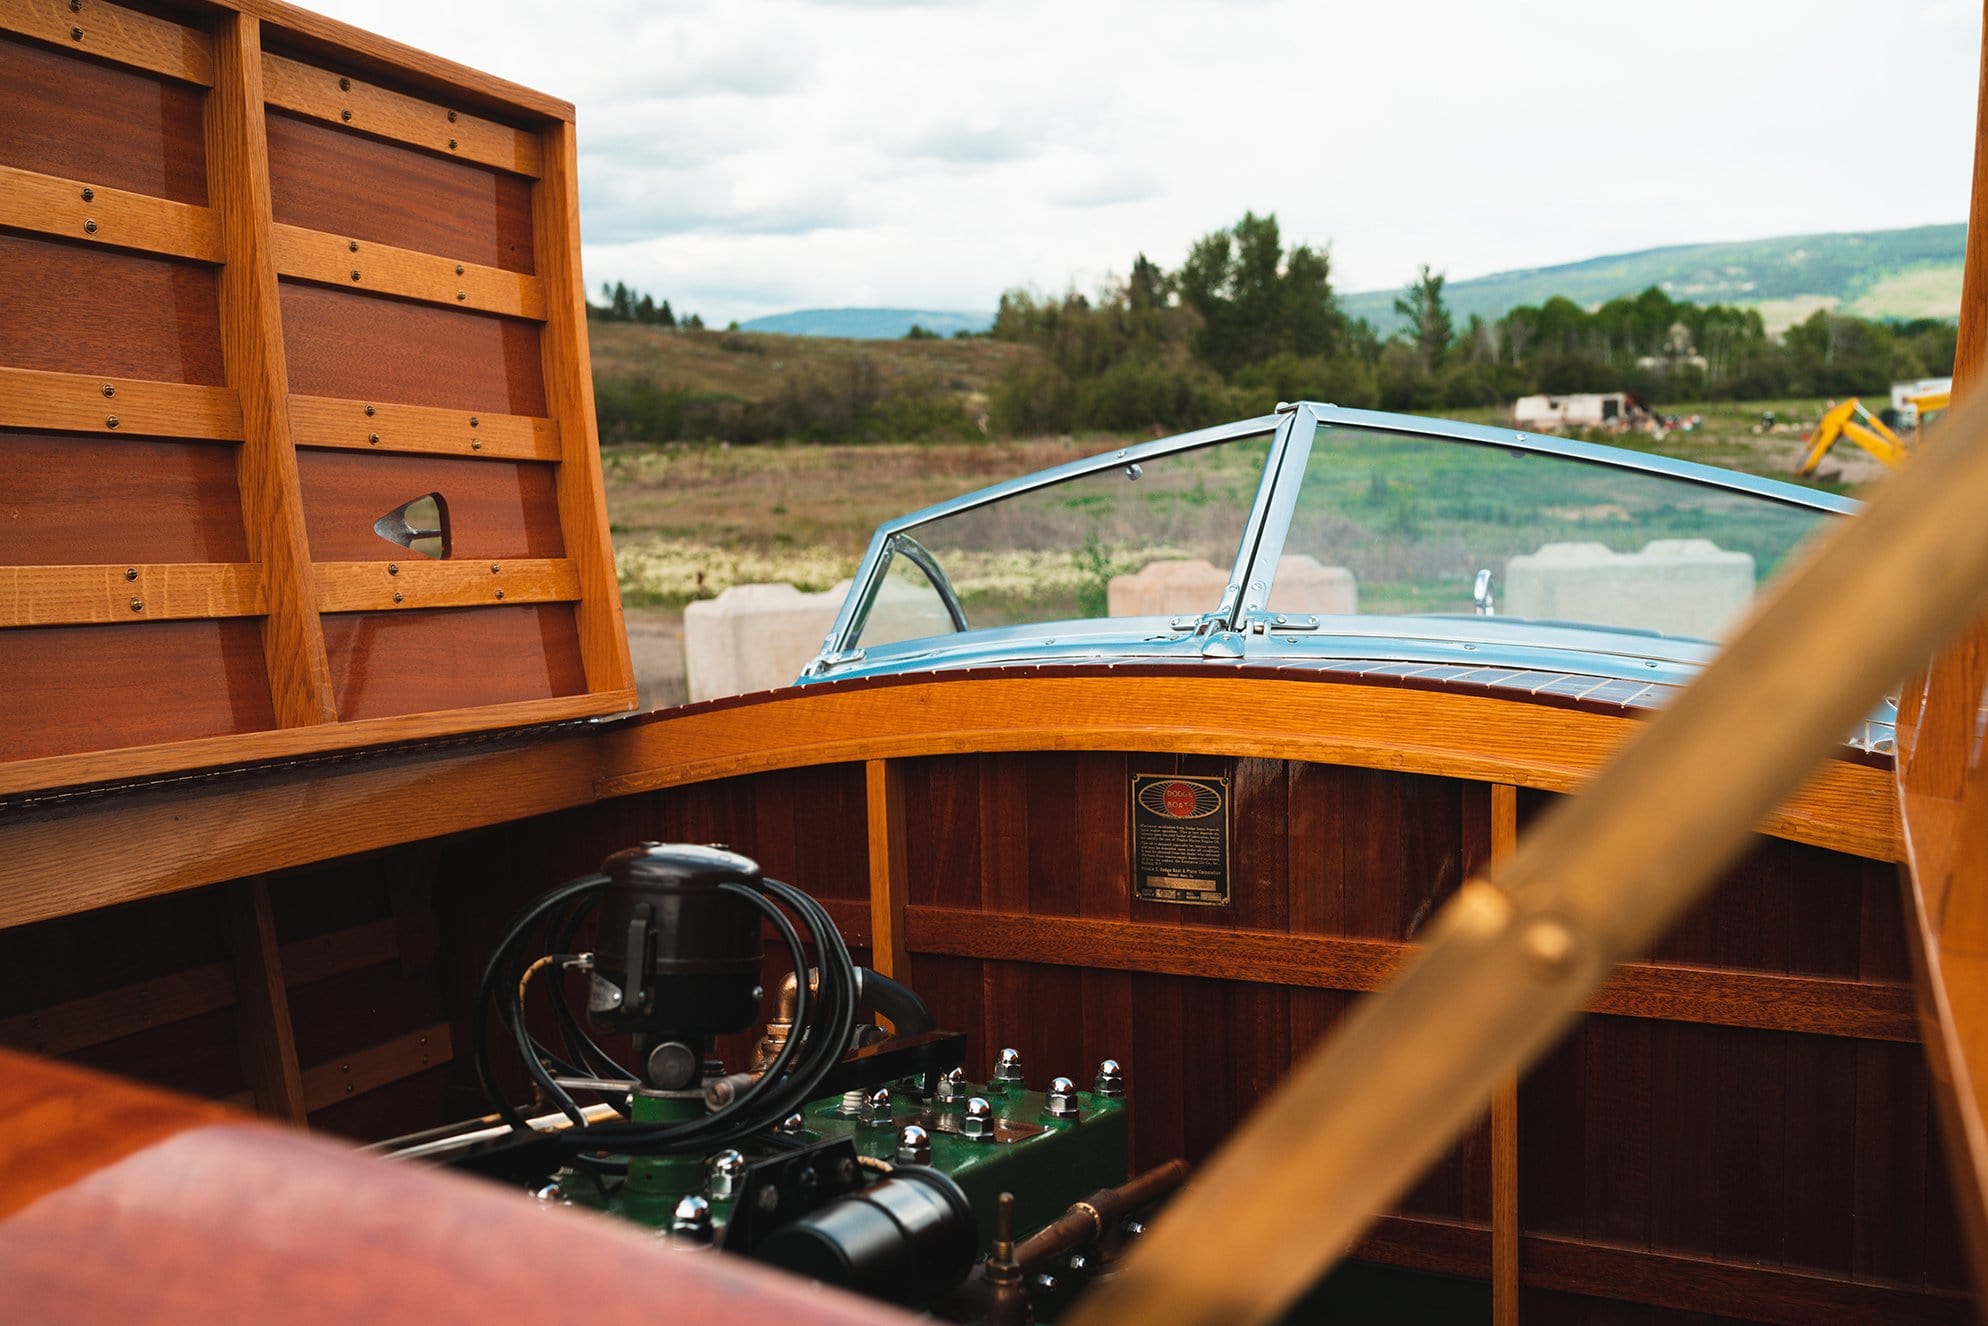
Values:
[(1875, 274)]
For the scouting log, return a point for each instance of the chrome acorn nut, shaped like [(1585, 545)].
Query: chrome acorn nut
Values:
[(1007, 1071), (1111, 1080), (952, 1087), (692, 1220), (877, 1113), (977, 1125), (728, 1169), (1062, 1099), (914, 1145)]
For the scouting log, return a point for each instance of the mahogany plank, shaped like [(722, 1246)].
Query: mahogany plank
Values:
[(76, 688), (175, 501), (496, 509), (101, 124), (71, 308), (403, 586), (133, 594), (441, 658), (364, 347), (381, 193)]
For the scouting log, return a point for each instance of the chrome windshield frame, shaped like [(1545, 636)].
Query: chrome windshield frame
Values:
[(1292, 429), (869, 578)]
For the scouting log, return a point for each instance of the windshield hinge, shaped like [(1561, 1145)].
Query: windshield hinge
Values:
[(1258, 622), (824, 662), (1204, 624)]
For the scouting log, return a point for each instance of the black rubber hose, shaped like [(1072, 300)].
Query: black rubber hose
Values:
[(877, 993)]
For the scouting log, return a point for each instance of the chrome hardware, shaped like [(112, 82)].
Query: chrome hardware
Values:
[(1062, 1099), (877, 1113), (692, 1219), (1111, 1080), (952, 1087), (1482, 593), (914, 1145), (978, 1123), (1007, 1071), (728, 1169)]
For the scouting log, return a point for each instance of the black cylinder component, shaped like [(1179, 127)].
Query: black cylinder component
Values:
[(684, 954), (878, 993), (909, 1239)]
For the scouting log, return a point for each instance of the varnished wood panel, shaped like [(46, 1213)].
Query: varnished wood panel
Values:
[(174, 501), (140, 34), (73, 309), (402, 663), (78, 688), (338, 261), (371, 191), (405, 586), (364, 347), (320, 421), (102, 124), (497, 509)]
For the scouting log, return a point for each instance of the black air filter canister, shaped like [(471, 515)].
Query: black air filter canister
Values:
[(909, 1239), (683, 954)]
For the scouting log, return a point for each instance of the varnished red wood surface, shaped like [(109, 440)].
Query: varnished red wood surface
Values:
[(72, 309), (497, 509), (104, 124), (381, 192), (112, 1207), (364, 347), (174, 501), (448, 658), (79, 688)]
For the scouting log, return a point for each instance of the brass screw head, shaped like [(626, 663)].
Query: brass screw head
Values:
[(476, 444), (345, 115), (110, 389), (494, 568), (462, 294), (90, 227), (138, 605), (369, 411), (393, 568), (110, 421), (89, 194), (500, 593), (352, 244), (75, 34), (355, 273), (452, 145), (452, 117), (374, 438), (344, 85), (397, 596), (458, 269), (473, 421), (130, 573)]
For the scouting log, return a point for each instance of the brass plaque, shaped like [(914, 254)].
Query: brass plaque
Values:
[(1180, 839)]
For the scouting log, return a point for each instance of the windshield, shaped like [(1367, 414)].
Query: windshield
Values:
[(1393, 523), (1159, 535)]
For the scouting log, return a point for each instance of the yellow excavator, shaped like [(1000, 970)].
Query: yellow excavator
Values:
[(1851, 420)]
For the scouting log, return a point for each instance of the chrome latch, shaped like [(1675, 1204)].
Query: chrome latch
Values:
[(1259, 622)]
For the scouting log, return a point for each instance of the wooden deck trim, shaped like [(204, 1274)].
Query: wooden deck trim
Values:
[(1782, 1296), (327, 422), (336, 260), (89, 403), (890, 881), (112, 32), (128, 595), (115, 218), (376, 1066), (1845, 806), (418, 582), (268, 1039), (64, 1028), (1766, 1001), (349, 101)]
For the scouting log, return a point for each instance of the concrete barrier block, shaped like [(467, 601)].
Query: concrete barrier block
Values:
[(1688, 587), (1180, 588), (753, 638)]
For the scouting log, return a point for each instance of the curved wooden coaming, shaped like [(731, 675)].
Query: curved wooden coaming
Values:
[(120, 1202), (1484, 737)]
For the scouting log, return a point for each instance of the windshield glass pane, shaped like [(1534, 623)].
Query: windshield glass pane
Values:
[(1389, 523), (1159, 537)]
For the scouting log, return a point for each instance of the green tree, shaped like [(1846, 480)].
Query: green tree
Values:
[(1429, 328), (1254, 299)]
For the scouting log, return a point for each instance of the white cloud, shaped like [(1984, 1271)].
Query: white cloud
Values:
[(746, 156)]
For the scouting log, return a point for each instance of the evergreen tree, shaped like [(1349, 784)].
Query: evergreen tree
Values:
[(1429, 327)]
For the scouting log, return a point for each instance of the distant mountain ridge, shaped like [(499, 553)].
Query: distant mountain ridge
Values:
[(868, 324), (1910, 273)]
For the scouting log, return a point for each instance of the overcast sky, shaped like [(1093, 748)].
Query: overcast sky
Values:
[(741, 158)]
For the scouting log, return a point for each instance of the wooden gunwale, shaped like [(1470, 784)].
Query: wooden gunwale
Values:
[(1485, 736)]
